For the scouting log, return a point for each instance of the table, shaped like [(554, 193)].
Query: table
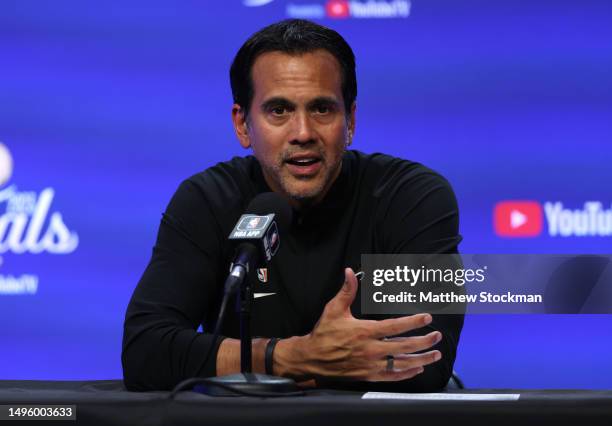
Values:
[(106, 402)]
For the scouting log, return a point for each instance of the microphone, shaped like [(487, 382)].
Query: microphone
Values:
[(257, 235)]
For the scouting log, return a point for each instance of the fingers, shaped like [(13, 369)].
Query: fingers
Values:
[(395, 326), (342, 301), (397, 375), (401, 345), (408, 361), (406, 366)]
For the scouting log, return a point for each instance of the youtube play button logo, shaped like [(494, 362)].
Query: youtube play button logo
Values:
[(518, 218), (337, 9)]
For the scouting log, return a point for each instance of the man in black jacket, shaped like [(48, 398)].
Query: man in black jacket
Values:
[(294, 89)]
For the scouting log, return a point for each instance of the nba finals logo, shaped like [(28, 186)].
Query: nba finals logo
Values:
[(27, 225)]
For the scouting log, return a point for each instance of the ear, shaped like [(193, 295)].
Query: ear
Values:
[(240, 126), (351, 123)]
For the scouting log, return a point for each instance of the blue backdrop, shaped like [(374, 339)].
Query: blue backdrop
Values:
[(105, 108)]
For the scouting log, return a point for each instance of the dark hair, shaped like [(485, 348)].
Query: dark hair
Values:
[(291, 36)]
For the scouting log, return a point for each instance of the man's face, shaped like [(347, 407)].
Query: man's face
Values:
[(297, 124)]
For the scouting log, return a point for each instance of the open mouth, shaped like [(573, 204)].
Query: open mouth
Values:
[(304, 161), (304, 166)]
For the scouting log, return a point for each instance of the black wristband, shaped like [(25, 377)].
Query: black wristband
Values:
[(269, 352)]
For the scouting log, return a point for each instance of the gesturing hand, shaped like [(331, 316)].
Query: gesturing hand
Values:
[(342, 346)]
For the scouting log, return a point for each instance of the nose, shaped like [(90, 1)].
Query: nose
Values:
[(303, 131)]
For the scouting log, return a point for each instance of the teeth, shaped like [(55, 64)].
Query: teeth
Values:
[(304, 160)]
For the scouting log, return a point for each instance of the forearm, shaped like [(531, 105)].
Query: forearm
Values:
[(228, 356), (288, 358), (157, 357)]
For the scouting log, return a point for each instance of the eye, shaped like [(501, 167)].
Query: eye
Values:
[(278, 110), (324, 108)]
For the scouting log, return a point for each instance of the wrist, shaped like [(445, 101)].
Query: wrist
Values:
[(289, 359), (268, 357), (258, 353)]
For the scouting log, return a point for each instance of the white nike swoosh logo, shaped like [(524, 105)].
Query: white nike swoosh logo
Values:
[(258, 295)]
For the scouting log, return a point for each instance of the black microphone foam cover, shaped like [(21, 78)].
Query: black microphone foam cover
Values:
[(270, 202)]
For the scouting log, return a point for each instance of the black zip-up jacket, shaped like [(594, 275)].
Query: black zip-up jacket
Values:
[(378, 204)]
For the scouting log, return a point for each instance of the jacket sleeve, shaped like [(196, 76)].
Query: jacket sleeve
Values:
[(161, 344)]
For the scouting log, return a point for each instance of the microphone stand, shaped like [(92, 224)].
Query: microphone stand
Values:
[(244, 309), (246, 380)]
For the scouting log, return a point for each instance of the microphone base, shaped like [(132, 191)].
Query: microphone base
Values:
[(247, 382)]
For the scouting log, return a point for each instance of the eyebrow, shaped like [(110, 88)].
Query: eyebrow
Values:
[(323, 100), (280, 101), (276, 101)]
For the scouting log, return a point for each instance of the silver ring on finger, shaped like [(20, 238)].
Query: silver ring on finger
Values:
[(390, 360)]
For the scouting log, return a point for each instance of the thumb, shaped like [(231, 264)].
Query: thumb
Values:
[(344, 298)]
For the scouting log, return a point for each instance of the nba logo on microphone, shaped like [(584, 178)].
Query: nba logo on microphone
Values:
[(518, 219), (254, 222)]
